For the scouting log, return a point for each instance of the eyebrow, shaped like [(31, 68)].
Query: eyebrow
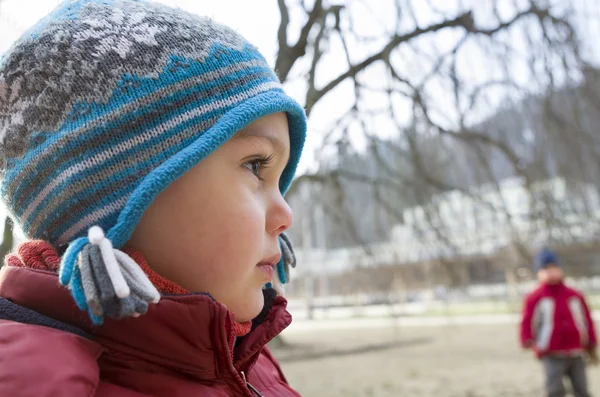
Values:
[(277, 144)]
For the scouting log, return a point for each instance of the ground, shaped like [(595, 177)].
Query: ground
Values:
[(392, 361)]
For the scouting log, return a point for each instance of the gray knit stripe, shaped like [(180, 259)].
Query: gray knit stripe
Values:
[(94, 217), (287, 260), (120, 129), (137, 287), (108, 297), (140, 306), (133, 269), (57, 214), (126, 306), (79, 185), (113, 306), (89, 283), (289, 257)]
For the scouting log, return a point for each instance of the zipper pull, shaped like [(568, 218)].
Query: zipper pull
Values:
[(249, 386)]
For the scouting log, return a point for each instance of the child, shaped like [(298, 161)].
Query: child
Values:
[(558, 326), (145, 152)]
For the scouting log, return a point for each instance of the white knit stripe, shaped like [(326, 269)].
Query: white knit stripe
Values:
[(130, 266), (151, 97), (135, 141), (576, 308), (113, 269), (92, 218), (546, 311)]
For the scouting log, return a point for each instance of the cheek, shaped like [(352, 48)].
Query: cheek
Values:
[(225, 248), (225, 229), (200, 238)]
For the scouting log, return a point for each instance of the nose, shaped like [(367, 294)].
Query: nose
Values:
[(280, 216)]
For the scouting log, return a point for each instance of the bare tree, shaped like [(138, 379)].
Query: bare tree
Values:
[(458, 90), (7, 239)]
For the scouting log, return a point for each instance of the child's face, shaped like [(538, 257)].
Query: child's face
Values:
[(551, 274), (210, 229)]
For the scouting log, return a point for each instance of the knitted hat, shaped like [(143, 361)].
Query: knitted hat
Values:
[(103, 104), (544, 258)]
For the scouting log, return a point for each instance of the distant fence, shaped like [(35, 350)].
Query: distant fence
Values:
[(471, 300)]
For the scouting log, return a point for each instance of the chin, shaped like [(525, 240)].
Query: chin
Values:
[(251, 308)]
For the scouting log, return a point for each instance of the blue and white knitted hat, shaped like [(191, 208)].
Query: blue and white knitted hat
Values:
[(103, 104)]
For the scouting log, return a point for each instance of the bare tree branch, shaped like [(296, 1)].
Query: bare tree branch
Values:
[(288, 55), (462, 20)]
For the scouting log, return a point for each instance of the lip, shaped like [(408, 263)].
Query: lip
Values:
[(267, 267), (271, 261)]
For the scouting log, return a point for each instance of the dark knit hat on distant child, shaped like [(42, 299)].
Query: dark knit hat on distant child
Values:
[(544, 258), (103, 104)]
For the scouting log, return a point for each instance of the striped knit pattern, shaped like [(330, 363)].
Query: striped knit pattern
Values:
[(105, 102)]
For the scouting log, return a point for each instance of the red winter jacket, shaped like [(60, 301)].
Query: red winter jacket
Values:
[(184, 346), (556, 320)]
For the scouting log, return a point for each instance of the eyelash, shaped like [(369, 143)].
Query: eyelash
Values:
[(261, 162)]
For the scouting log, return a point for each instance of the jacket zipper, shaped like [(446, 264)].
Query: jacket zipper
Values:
[(249, 386)]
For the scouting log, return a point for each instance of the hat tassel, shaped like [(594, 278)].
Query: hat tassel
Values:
[(105, 281)]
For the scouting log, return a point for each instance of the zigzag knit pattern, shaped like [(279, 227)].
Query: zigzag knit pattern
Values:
[(104, 103)]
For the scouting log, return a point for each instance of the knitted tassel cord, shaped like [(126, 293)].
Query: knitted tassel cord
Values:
[(105, 281), (288, 258)]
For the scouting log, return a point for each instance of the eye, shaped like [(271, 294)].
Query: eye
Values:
[(257, 165), (254, 166)]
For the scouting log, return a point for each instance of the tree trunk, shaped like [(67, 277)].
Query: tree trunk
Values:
[(7, 239)]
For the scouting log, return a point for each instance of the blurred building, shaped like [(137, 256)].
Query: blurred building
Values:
[(483, 220), (466, 237)]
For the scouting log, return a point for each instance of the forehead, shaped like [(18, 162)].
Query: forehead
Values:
[(272, 129)]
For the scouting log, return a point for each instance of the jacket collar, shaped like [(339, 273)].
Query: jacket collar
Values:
[(190, 333)]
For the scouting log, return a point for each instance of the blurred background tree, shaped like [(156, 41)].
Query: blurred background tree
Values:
[(427, 99)]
